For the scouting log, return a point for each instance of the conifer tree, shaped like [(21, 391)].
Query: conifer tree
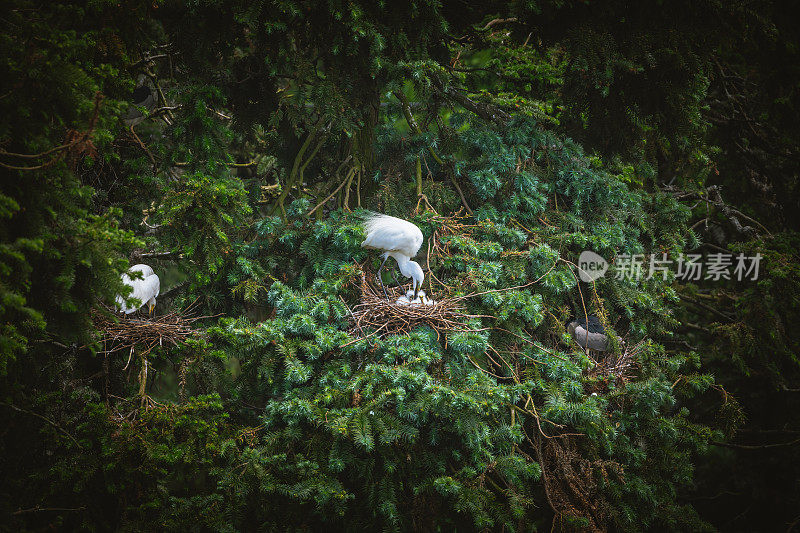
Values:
[(514, 136)]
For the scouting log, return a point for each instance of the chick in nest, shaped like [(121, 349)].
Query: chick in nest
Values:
[(421, 299)]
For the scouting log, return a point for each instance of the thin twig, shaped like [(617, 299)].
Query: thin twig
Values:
[(37, 415)]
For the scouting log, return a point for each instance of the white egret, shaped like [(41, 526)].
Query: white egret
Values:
[(399, 239), (145, 289), (592, 336)]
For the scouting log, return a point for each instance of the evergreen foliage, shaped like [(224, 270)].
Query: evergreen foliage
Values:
[(514, 136)]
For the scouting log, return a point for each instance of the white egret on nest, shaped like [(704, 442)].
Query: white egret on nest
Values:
[(399, 239), (145, 289)]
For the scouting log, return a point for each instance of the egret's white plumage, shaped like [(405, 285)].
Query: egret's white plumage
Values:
[(400, 239), (421, 299), (145, 289), (409, 299), (392, 234)]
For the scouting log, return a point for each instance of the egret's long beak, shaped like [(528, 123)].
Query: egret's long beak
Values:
[(150, 309), (416, 291)]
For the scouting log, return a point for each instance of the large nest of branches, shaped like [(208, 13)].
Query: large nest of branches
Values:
[(374, 315), (122, 333)]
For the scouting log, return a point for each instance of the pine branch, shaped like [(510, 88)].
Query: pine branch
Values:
[(412, 124), (167, 256), (488, 112), (37, 415), (706, 307), (38, 509), (753, 447)]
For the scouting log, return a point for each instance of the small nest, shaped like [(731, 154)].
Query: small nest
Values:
[(384, 318), (616, 368), (122, 333)]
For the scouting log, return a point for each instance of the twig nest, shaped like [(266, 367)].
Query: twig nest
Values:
[(401, 313), (616, 367), (126, 333)]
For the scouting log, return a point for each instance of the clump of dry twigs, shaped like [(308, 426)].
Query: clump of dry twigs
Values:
[(383, 317), (619, 368), (572, 481), (123, 333), (439, 247)]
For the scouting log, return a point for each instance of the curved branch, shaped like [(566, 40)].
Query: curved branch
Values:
[(331, 195), (37, 415), (298, 167)]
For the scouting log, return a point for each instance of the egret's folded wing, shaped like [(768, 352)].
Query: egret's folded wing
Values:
[(393, 234), (145, 289), (386, 237)]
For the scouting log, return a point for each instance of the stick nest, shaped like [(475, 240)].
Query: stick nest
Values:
[(383, 317), (618, 368), (121, 333)]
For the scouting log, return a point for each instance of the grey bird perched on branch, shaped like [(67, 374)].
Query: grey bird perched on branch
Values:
[(592, 336), (143, 97)]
